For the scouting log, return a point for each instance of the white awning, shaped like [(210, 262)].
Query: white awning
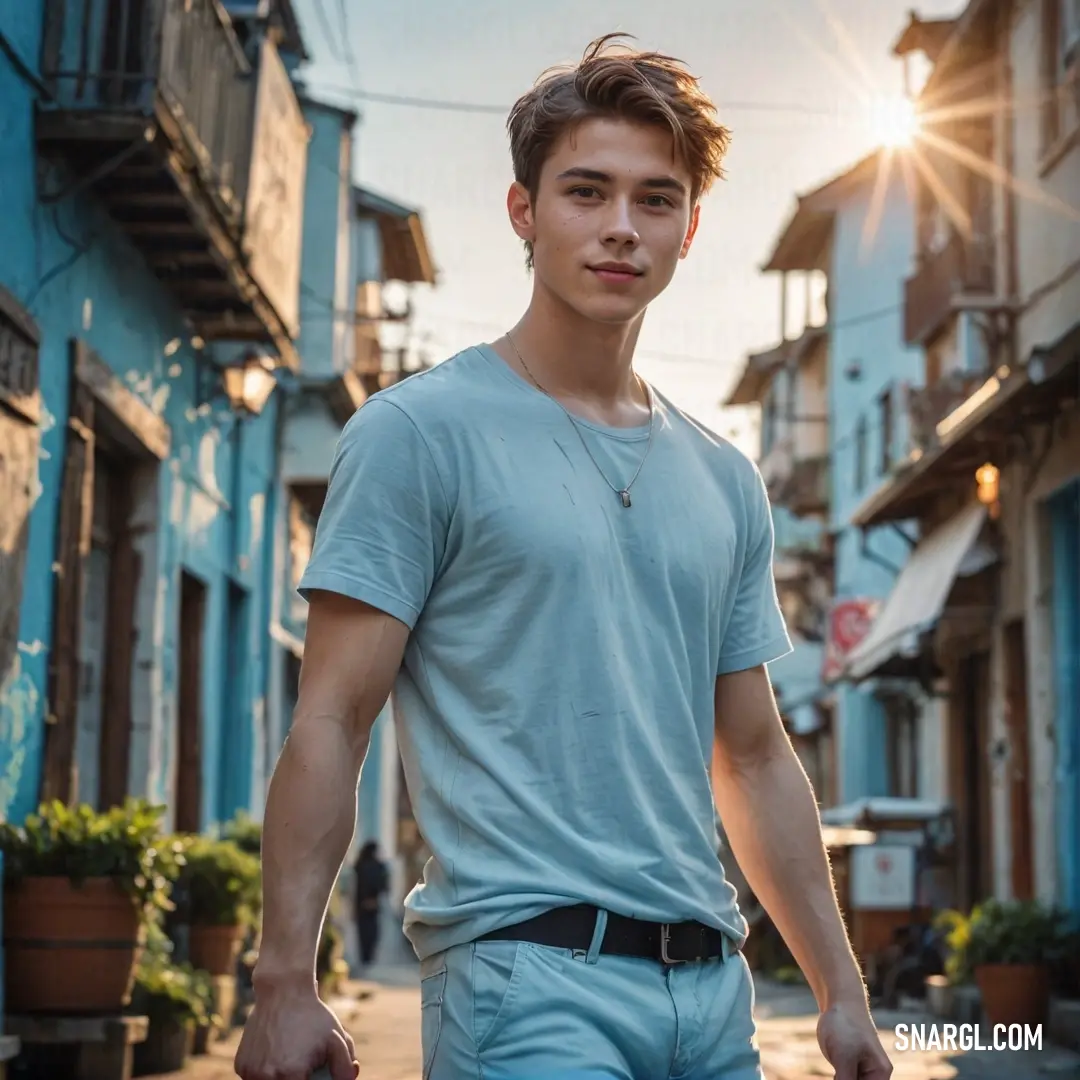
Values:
[(919, 596)]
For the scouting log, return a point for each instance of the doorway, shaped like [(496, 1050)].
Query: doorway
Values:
[(971, 735), (1019, 775), (106, 635), (99, 584), (188, 773), (1065, 603)]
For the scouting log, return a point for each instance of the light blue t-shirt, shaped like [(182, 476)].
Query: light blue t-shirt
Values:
[(555, 707)]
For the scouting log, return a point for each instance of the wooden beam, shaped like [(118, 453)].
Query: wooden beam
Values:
[(149, 230), (151, 200), (193, 259), (93, 374)]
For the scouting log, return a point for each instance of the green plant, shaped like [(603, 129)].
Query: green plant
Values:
[(124, 843), (223, 882), (245, 832), (166, 991), (1002, 932)]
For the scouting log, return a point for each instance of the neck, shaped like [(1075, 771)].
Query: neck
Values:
[(575, 357)]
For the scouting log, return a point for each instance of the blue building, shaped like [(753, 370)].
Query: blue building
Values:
[(834, 400), (788, 383), (989, 603), (150, 296)]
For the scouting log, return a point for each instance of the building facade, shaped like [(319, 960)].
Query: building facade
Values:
[(149, 295), (992, 470), (830, 395)]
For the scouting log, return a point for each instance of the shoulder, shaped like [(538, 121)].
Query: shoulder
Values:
[(733, 468), (430, 397)]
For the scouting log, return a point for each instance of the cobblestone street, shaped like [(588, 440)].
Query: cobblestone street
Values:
[(384, 1019)]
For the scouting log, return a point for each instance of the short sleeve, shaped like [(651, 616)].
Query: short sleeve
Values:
[(382, 531), (755, 633)]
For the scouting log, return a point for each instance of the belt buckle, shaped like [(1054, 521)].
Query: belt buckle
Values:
[(665, 940)]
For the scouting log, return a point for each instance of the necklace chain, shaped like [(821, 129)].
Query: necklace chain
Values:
[(624, 492)]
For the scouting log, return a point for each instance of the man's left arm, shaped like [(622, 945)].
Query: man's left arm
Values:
[(770, 814)]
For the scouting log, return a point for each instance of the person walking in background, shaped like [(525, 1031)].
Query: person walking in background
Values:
[(568, 584), (372, 881)]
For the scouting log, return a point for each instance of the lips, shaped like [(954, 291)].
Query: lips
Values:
[(615, 272)]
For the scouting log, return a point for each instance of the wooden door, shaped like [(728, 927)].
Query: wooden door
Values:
[(1016, 721), (189, 750)]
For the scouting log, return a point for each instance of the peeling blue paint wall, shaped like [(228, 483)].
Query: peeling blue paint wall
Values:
[(79, 277), (873, 252)]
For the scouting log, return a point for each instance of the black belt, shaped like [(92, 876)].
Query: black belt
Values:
[(573, 928)]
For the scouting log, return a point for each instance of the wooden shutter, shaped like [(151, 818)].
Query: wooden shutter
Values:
[(72, 548)]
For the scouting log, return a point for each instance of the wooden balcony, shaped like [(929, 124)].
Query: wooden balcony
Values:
[(199, 156), (961, 268), (806, 491), (927, 406), (799, 484)]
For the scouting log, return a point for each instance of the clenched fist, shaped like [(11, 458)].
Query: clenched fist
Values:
[(289, 1035)]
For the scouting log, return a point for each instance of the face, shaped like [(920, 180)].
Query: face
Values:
[(611, 219)]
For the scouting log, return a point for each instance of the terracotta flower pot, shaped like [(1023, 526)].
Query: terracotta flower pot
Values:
[(213, 949), (69, 948), (1014, 993)]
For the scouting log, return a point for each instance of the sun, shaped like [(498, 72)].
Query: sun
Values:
[(894, 122)]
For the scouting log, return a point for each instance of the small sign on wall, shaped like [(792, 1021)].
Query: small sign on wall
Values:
[(883, 877)]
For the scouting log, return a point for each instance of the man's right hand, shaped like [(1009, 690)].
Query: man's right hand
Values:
[(289, 1035)]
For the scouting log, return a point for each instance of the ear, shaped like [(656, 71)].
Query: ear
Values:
[(695, 215), (519, 207)]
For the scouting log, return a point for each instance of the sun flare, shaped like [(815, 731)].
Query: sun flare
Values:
[(894, 122)]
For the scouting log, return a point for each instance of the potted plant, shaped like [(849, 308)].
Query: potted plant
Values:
[(1008, 948), (177, 1000), (222, 885), (79, 890)]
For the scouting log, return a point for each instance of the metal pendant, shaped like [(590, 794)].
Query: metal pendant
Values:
[(625, 496)]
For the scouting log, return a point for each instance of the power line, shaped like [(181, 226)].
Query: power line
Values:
[(327, 31), (448, 105), (346, 41)]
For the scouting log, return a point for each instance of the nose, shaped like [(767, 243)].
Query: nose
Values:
[(619, 228)]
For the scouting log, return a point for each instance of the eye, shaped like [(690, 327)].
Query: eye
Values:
[(664, 200), (584, 192)]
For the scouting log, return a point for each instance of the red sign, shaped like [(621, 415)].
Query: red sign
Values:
[(849, 623)]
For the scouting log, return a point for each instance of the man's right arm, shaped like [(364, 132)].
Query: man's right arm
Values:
[(351, 657), (378, 546)]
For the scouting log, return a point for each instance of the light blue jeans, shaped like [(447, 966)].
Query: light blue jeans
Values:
[(505, 1010)]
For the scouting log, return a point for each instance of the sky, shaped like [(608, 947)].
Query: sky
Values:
[(801, 84)]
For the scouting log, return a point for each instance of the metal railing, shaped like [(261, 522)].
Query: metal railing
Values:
[(125, 57), (927, 406), (961, 266)]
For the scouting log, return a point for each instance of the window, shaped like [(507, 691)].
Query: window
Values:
[(768, 421), (885, 423), (1060, 55), (860, 454), (902, 726), (1070, 36)]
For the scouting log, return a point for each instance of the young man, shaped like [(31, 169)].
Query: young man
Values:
[(568, 584)]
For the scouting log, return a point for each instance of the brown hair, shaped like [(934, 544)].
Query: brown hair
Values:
[(644, 86)]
